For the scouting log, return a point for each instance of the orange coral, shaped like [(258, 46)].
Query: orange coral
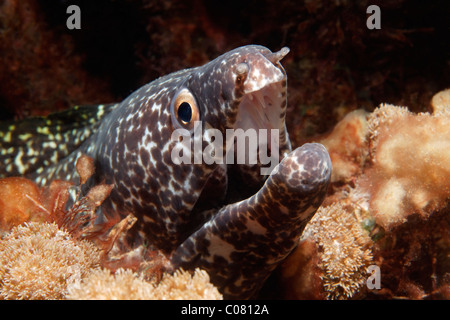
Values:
[(19, 202), (347, 146), (22, 201)]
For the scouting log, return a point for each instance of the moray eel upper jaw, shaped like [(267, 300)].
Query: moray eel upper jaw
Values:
[(264, 104), (262, 107)]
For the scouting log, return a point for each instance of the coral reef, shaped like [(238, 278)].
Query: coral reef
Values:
[(410, 167), (388, 207), (343, 249), (126, 285), (42, 261), (39, 261), (47, 250), (383, 210), (346, 145), (383, 166), (24, 208)]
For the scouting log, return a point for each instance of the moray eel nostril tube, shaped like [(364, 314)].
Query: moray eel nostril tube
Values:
[(237, 218)]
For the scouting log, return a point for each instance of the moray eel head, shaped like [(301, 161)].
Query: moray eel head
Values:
[(240, 90)]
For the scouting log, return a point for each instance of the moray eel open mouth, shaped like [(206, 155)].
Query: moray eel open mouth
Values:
[(263, 106), (228, 218), (262, 109)]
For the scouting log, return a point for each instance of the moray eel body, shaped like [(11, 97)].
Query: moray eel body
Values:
[(226, 218)]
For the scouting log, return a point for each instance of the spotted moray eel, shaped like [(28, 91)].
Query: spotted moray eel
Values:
[(227, 219)]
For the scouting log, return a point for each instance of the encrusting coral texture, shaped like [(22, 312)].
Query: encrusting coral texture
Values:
[(39, 261), (335, 238), (410, 172), (127, 285), (347, 146), (344, 249), (388, 206), (23, 207)]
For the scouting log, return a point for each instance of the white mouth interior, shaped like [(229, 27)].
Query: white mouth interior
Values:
[(261, 109)]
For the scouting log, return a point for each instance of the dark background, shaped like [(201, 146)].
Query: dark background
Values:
[(335, 65)]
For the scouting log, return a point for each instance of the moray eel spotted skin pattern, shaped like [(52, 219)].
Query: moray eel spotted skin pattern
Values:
[(227, 219)]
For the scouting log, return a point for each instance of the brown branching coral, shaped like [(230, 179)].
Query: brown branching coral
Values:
[(126, 285), (18, 202), (39, 260)]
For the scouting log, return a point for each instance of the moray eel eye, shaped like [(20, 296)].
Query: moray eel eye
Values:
[(184, 110)]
